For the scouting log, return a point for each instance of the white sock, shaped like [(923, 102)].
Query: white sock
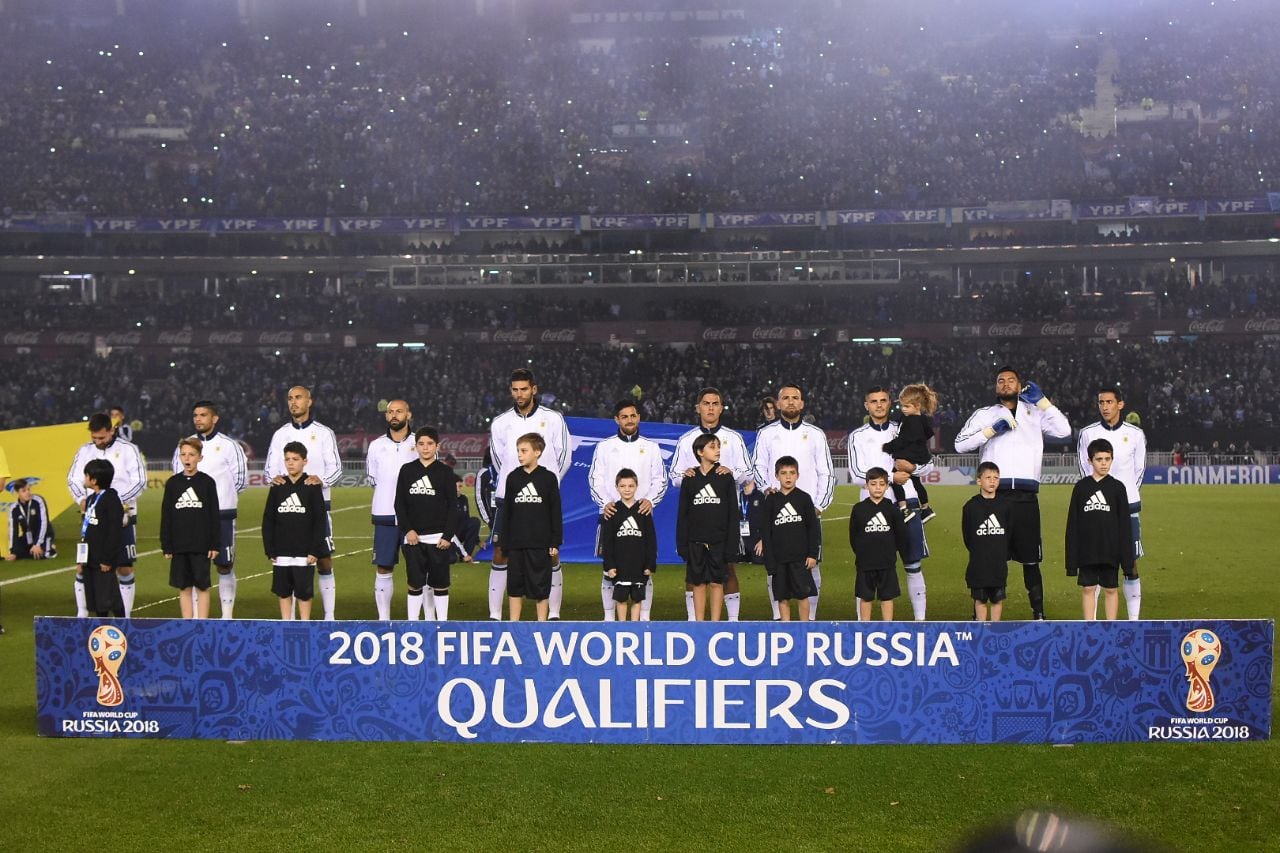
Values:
[(916, 591), (606, 599), (773, 602), (732, 604), (1133, 598), (82, 604), (195, 600), (647, 605), (857, 609), (428, 603), (127, 592), (227, 593), (557, 592), (383, 589), (442, 605), (813, 599), (497, 590), (328, 593), (415, 607), (1097, 596), (688, 604)]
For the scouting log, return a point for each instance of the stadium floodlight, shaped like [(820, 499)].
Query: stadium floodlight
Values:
[(386, 345), (891, 340)]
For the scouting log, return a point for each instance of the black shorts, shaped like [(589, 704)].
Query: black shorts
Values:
[(529, 573), (427, 565), (988, 594), (1024, 515), (1107, 577), (793, 581), (877, 584), (705, 565), (188, 570), (633, 591), (296, 581)]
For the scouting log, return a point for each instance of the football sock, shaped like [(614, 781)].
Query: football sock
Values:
[(688, 604), (773, 602), (227, 593), (1133, 598), (647, 605), (441, 597), (328, 593), (916, 591), (813, 599), (732, 604), (557, 592), (1097, 596), (497, 589), (415, 606), (383, 589), (82, 606), (857, 609), (127, 592), (428, 602), (606, 600)]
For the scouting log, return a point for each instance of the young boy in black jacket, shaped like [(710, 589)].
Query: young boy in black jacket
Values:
[(791, 540), (532, 528), (629, 546), (30, 527), (101, 550), (427, 513), (877, 535), (986, 524), (294, 527), (190, 529), (708, 536), (1099, 533)]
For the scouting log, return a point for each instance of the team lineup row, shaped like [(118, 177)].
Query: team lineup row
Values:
[(1008, 434)]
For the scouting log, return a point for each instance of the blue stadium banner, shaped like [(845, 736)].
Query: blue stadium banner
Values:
[(656, 682), (1212, 475), (866, 216)]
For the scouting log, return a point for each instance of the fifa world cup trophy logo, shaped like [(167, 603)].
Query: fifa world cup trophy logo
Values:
[(108, 646), (1201, 650)]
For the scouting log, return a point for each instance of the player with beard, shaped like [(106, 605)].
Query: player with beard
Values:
[(1011, 434), (388, 453)]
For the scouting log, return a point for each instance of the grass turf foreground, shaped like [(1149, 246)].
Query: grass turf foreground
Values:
[(1210, 557)]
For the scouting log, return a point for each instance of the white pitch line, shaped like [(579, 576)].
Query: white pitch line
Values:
[(245, 578), (74, 566)]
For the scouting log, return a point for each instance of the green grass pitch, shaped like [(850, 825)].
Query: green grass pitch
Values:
[(1211, 555)]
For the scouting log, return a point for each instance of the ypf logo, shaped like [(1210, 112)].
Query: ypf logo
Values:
[(1201, 650), (108, 646)]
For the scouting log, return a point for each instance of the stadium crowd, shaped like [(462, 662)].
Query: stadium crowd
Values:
[(1177, 389), (813, 107), (310, 304)]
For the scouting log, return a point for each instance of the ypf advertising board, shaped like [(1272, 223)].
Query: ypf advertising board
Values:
[(748, 683)]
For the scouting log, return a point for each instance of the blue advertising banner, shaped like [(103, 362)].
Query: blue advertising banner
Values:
[(581, 513), (676, 682), (1213, 475), (888, 217)]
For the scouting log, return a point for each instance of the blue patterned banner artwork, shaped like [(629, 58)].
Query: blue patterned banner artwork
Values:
[(847, 683)]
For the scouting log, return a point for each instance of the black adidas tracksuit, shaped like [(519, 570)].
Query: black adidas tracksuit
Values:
[(987, 527), (791, 533), (29, 526), (629, 543), (104, 534), (426, 503), (531, 525), (294, 525), (1099, 533), (190, 527), (877, 535), (707, 533)]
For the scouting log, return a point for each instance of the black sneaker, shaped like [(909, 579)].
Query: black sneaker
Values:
[(927, 514), (908, 514), (1038, 616)]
